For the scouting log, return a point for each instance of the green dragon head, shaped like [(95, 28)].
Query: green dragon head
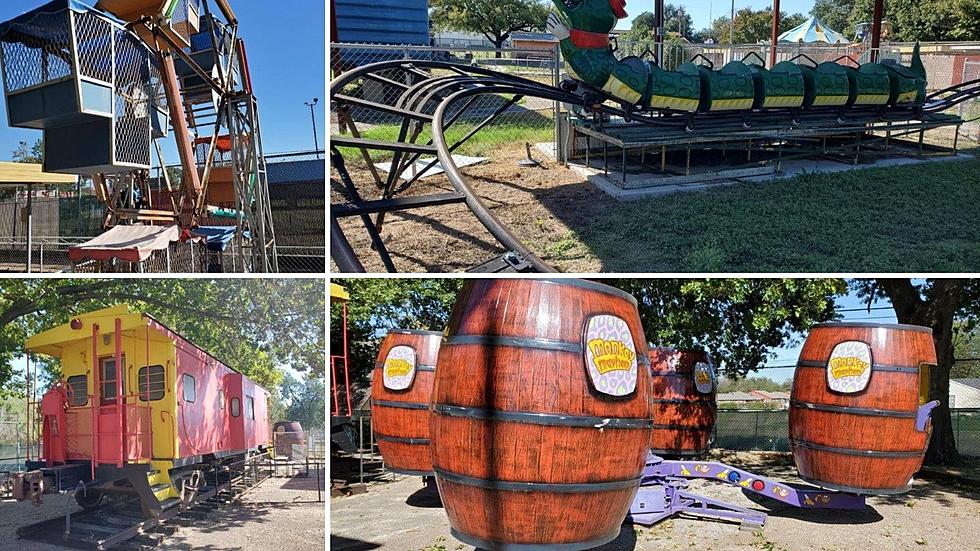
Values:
[(594, 16)]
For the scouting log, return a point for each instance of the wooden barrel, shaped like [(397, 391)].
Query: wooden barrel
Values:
[(541, 413), (400, 393), (855, 405), (682, 401)]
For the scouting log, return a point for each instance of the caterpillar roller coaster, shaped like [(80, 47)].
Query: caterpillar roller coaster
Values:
[(106, 83), (613, 99)]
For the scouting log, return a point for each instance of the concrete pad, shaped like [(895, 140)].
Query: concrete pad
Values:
[(789, 168)]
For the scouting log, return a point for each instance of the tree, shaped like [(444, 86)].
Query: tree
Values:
[(737, 321), (301, 400), (676, 19), (835, 14), (924, 20), (377, 305), (966, 354), (949, 307), (752, 383), (751, 27), (28, 153), (494, 19), (254, 325)]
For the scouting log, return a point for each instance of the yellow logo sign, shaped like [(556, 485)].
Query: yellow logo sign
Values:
[(397, 367), (701, 377), (611, 355), (848, 366)]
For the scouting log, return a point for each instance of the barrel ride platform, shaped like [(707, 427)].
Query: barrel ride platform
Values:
[(635, 155)]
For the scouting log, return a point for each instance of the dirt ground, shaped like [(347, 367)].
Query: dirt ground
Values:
[(449, 238), (279, 513), (401, 516)]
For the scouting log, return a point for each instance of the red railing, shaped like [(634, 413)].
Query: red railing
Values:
[(130, 424)]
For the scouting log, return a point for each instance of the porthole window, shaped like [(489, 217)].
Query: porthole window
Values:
[(78, 390), (236, 407), (190, 393)]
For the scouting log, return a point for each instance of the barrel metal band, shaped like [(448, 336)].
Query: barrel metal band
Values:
[(547, 419), (855, 411), (401, 405), (401, 440), (520, 342), (551, 487), (852, 451), (480, 543), (525, 342), (875, 367)]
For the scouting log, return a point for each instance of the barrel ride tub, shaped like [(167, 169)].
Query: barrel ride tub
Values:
[(541, 414), (859, 416), (682, 402), (400, 394)]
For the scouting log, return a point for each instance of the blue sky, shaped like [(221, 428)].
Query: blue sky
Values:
[(285, 44), (704, 11), (851, 309)]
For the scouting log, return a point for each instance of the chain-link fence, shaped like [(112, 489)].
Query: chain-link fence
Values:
[(529, 120)]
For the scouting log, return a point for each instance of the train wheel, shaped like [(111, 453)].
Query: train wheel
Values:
[(89, 499)]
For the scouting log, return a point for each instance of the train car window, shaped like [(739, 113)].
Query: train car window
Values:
[(250, 408), (236, 407), (152, 383), (221, 399), (78, 390), (107, 380), (190, 393)]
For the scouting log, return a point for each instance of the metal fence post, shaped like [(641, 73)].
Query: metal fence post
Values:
[(360, 447)]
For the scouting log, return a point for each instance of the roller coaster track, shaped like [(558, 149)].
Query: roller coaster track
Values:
[(424, 99)]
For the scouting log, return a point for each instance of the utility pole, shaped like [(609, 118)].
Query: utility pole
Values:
[(316, 141), (731, 31), (775, 33)]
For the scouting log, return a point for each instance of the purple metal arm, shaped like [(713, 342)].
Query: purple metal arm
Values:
[(812, 499), (922, 417)]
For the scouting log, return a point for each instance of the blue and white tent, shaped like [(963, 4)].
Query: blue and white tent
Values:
[(813, 30)]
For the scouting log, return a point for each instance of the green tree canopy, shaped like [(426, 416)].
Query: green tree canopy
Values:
[(676, 19), (494, 19), (254, 325), (377, 305), (751, 27), (924, 20), (951, 308), (835, 14)]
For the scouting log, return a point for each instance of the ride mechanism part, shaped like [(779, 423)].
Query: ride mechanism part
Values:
[(583, 28), (106, 83), (799, 102)]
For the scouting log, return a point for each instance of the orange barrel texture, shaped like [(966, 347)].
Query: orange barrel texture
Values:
[(400, 394), (682, 401), (858, 417), (541, 413)]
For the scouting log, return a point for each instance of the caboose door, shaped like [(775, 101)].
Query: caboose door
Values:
[(112, 417), (234, 412)]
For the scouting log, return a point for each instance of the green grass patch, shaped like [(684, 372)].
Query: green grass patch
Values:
[(915, 218), (507, 129)]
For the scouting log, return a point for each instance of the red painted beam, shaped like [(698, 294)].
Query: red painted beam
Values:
[(178, 117), (876, 17), (775, 32)]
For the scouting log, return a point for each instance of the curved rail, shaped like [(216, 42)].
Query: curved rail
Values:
[(440, 101)]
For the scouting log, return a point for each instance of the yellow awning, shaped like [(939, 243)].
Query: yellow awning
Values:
[(338, 293), (31, 173), (52, 341)]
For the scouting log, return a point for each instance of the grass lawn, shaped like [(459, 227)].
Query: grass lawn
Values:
[(919, 218)]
